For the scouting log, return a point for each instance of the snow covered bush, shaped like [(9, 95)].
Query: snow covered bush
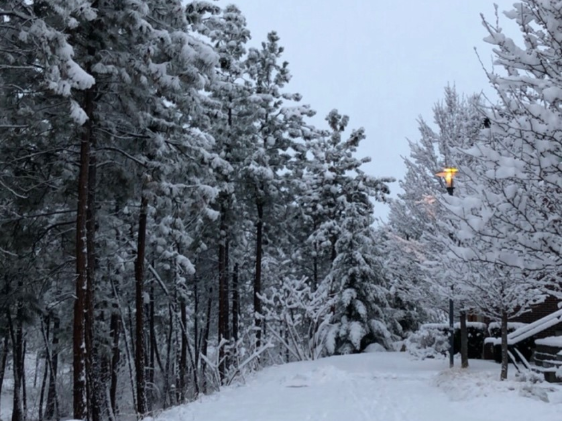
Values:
[(298, 318), (430, 341)]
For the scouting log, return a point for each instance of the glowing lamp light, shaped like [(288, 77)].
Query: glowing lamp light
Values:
[(448, 174)]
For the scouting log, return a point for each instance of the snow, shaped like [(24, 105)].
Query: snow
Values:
[(6, 403), (77, 113), (375, 348), (380, 386), (552, 94), (510, 325), (475, 325), (550, 341)]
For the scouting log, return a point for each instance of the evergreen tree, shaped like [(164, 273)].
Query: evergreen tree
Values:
[(342, 211), (232, 128), (277, 127), (157, 176)]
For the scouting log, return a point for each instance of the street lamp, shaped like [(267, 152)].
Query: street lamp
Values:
[(449, 174)]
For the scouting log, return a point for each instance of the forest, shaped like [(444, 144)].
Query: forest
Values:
[(171, 220)]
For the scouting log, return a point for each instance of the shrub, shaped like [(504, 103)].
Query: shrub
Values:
[(430, 341)]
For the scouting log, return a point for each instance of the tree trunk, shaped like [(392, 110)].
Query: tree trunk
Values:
[(505, 361), (182, 384), (22, 373), (52, 407), (43, 386), (464, 340), (315, 259), (80, 303), (223, 290), (3, 361), (94, 387), (315, 268), (257, 279), (139, 304), (196, 333), (114, 328), (16, 336), (235, 304), (152, 345), (168, 392), (127, 336), (196, 339), (205, 338)]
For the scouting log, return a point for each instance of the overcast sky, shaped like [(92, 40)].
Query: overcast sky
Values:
[(383, 63)]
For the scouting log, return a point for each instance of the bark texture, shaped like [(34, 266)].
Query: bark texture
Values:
[(139, 307)]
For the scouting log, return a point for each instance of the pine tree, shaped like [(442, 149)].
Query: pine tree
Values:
[(342, 211), (134, 121), (278, 126), (232, 129)]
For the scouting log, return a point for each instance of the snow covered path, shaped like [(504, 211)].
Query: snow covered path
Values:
[(376, 387)]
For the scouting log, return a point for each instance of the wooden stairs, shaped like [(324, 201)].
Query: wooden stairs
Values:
[(547, 356), (547, 359)]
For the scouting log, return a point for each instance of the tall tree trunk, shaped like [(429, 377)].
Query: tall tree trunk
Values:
[(157, 358), (80, 304), (139, 304), (127, 339), (168, 392), (182, 384), (3, 361), (223, 289), (94, 387), (464, 340), (505, 361), (115, 330), (196, 333), (43, 387), (16, 335), (235, 304), (152, 345), (315, 260), (22, 372), (196, 336), (52, 406), (257, 279), (205, 338), (315, 268)]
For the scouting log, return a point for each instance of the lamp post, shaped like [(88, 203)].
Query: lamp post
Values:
[(449, 174)]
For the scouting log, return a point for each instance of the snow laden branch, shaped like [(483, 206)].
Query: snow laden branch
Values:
[(511, 213)]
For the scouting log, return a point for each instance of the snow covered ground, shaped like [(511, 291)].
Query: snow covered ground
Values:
[(377, 387)]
